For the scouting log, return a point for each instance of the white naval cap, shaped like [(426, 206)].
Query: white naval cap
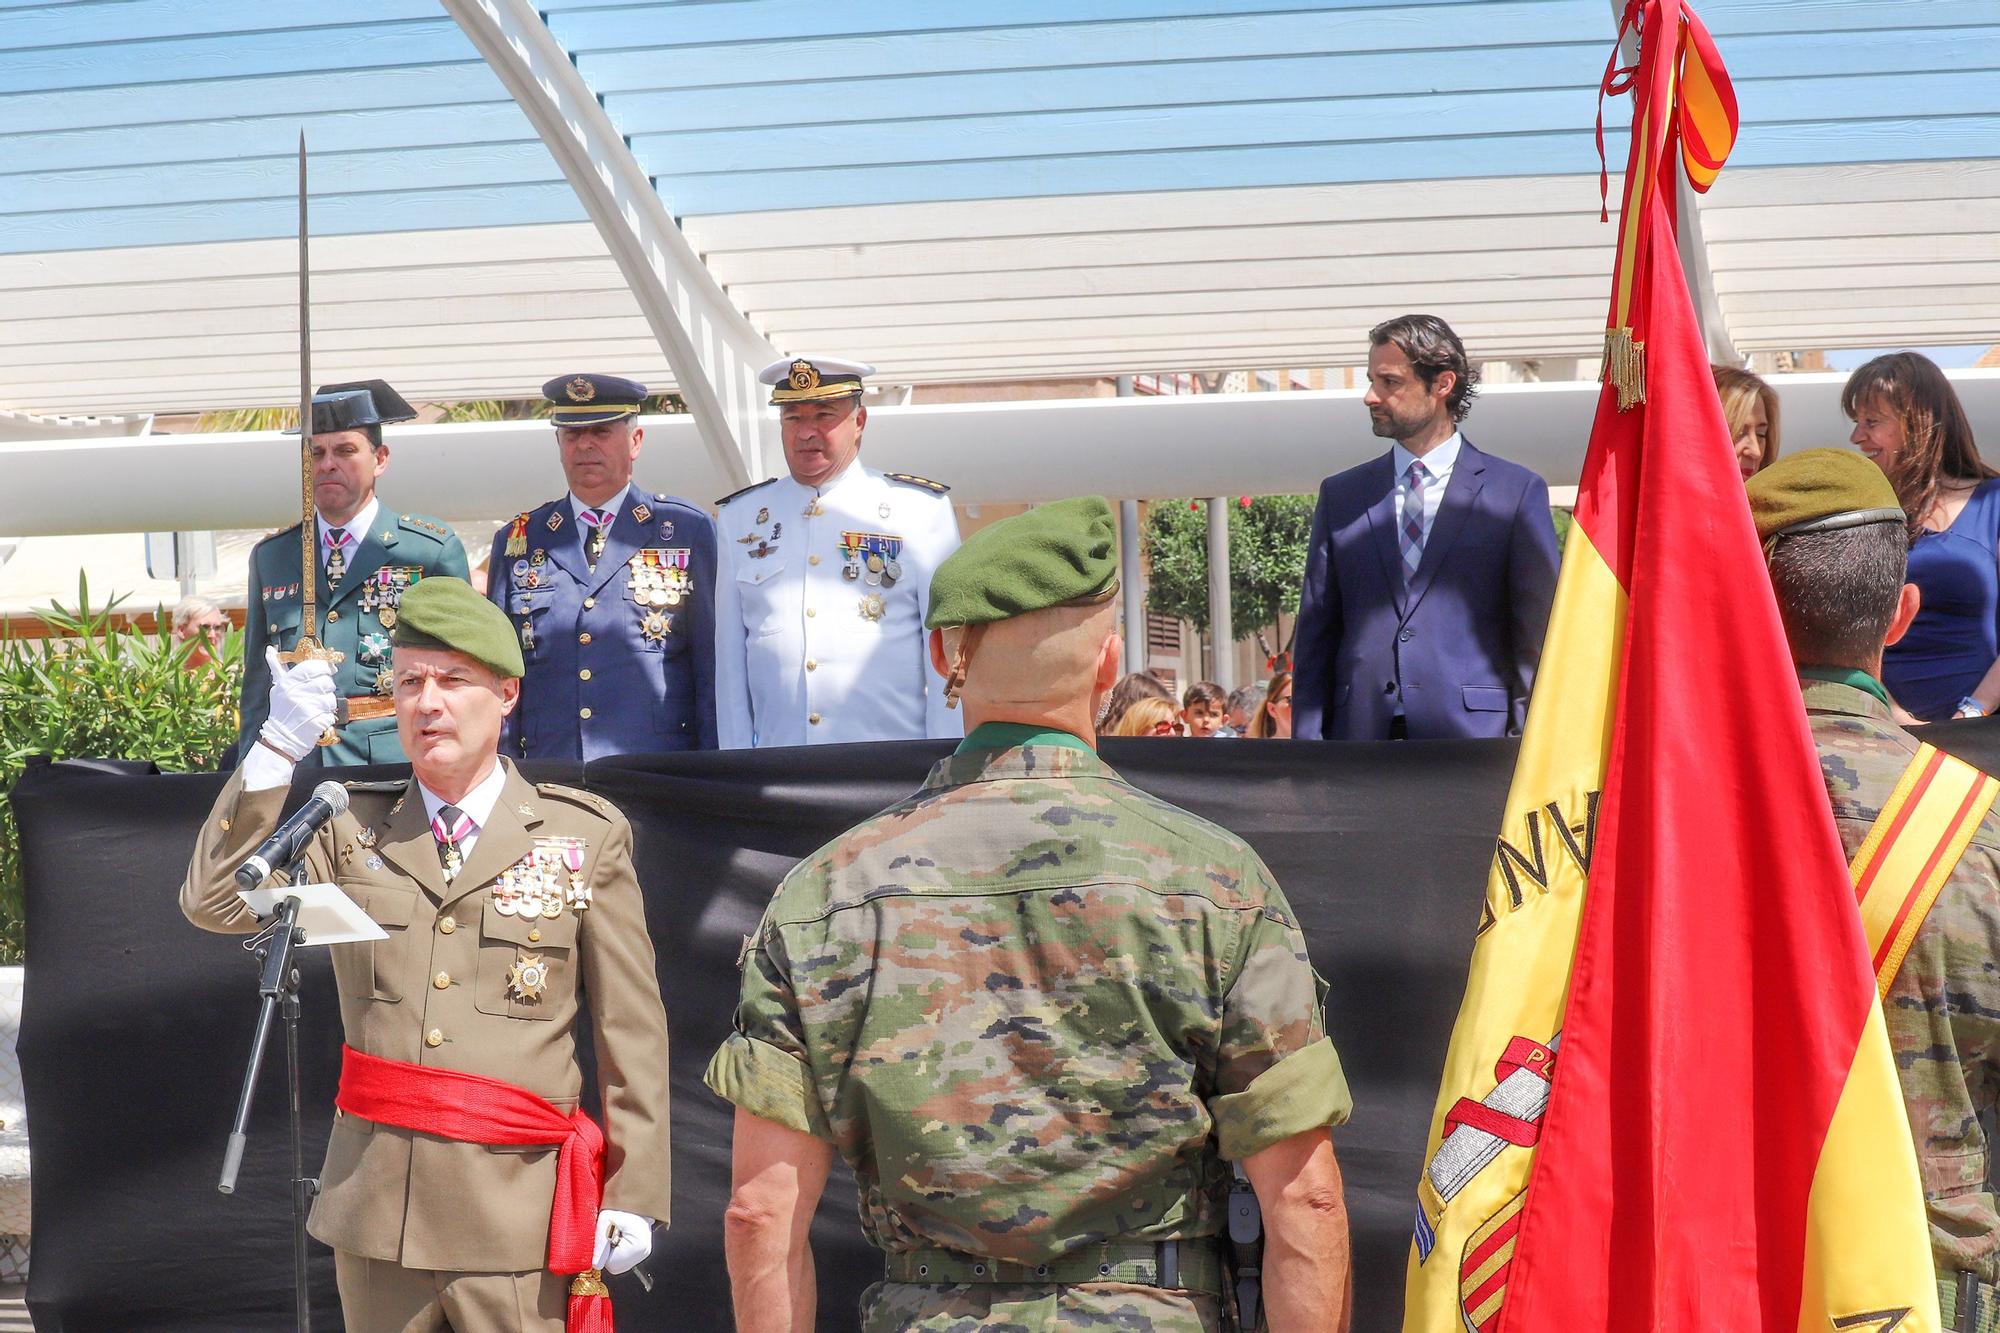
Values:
[(801, 379)]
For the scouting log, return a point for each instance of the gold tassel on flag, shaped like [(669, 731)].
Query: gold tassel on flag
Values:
[(1625, 367)]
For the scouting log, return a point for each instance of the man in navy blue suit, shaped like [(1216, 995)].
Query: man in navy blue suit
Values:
[(1431, 570), (612, 591)]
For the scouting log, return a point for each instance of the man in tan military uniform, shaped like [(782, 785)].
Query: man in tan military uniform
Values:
[(1834, 537), (509, 908)]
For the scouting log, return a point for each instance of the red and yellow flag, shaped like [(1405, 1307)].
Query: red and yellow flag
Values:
[(1669, 1102)]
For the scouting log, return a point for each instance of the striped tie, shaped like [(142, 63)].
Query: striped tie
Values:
[(1411, 537), (599, 522), (451, 826), (337, 540)]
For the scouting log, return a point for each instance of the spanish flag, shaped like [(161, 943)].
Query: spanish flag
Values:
[(1669, 1102)]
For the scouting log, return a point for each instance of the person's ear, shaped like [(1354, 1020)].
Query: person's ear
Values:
[(1110, 661), (938, 663), (1908, 602)]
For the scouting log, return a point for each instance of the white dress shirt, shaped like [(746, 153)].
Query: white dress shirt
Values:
[(478, 803), (356, 528), (806, 656), (1439, 463)]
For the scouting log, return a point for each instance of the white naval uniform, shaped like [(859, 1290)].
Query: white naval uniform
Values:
[(797, 660)]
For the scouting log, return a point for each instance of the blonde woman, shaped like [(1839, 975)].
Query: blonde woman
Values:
[(1751, 408)]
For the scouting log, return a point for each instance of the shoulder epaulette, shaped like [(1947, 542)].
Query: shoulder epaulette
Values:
[(921, 483), (393, 785), (755, 485), (595, 804), (422, 524)]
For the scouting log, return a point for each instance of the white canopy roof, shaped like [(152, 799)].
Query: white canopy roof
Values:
[(1058, 187)]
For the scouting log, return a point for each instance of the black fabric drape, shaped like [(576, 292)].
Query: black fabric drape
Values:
[(136, 1024)]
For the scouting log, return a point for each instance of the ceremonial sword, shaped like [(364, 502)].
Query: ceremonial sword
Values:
[(308, 648)]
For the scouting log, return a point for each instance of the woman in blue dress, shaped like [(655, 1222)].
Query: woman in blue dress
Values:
[(1910, 422)]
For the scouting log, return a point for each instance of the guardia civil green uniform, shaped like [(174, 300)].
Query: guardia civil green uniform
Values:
[(1036, 1010), (383, 554), (1943, 1008)]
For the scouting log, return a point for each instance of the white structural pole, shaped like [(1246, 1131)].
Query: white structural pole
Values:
[(994, 453), (1221, 626), (1693, 244), (712, 347), (1132, 585)]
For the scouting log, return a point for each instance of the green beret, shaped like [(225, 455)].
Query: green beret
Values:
[(1818, 490), (444, 612), (1059, 554)]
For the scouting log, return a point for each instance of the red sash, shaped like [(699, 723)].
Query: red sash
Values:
[(468, 1108)]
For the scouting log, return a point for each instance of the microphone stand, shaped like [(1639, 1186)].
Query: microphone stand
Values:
[(278, 985)]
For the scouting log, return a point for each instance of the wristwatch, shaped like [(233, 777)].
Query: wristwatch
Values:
[(1969, 707)]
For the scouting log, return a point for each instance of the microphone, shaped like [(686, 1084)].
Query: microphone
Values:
[(328, 799)]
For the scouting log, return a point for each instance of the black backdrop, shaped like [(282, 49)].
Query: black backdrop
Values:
[(135, 1024)]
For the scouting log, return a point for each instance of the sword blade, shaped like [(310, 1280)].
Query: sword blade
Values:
[(308, 529)]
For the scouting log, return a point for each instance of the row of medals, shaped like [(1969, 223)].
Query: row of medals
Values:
[(875, 569), (655, 587), (530, 887)]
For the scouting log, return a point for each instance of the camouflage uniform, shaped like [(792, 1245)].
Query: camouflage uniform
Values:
[(1035, 1010), (1943, 1010)]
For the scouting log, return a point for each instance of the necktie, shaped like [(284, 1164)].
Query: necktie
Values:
[(1411, 536), (599, 522), (450, 827), (336, 556)]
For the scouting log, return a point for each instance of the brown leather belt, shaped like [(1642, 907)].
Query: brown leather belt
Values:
[(362, 708)]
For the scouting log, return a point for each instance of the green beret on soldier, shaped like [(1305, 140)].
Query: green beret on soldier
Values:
[(1024, 1149), (459, 1073), (1920, 828)]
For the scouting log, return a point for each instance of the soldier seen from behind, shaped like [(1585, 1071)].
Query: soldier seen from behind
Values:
[(1836, 540), (1038, 1013)]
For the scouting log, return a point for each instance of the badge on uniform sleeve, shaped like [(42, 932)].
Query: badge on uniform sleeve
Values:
[(527, 978)]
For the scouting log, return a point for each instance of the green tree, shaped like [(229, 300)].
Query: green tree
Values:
[(1267, 559), (101, 690)]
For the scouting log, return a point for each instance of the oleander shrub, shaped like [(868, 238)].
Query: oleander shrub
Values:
[(98, 690)]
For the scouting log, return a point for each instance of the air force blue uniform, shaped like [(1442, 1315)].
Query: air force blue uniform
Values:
[(620, 658)]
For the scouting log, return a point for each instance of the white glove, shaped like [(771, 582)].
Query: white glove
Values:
[(302, 704), (623, 1239)]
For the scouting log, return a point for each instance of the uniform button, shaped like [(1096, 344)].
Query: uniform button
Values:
[(434, 1038), (809, 611), (1388, 687), (534, 934), (441, 980), (332, 616), (583, 713), (812, 559), (814, 719), (223, 824), (446, 925), (585, 673), (583, 637), (1404, 636), (589, 602), (811, 665)]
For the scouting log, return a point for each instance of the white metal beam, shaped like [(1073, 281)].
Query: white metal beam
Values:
[(714, 350), (990, 453)]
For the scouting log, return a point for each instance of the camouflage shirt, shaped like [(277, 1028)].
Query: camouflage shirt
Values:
[(1034, 1009), (1943, 1009)]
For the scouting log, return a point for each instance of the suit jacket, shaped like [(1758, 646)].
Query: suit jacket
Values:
[(1461, 642), (399, 549), (437, 993), (609, 671)]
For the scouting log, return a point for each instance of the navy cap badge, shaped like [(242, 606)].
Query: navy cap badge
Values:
[(804, 375), (580, 390)]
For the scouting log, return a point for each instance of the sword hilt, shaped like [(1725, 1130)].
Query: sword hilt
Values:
[(309, 649)]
